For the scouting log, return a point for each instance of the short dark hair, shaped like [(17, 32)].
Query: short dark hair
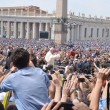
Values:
[(20, 58), (12, 107)]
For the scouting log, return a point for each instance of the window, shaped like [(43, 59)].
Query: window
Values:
[(85, 32), (102, 32), (97, 32), (91, 32)]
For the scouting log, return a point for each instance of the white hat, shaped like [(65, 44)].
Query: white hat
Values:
[(51, 48)]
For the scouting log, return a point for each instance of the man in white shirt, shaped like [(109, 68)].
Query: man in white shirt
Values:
[(50, 57)]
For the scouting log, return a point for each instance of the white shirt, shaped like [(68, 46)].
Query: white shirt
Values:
[(50, 58)]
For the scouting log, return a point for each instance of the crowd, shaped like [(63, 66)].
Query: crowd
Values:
[(41, 75)]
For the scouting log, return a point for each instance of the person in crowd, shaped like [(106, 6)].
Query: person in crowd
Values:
[(83, 85), (50, 57), (12, 107), (29, 84)]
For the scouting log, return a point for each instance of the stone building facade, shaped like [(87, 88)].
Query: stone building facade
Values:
[(28, 22)]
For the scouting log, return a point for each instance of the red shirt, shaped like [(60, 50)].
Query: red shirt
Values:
[(71, 53)]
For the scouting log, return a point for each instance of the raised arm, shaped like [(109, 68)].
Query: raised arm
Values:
[(94, 105)]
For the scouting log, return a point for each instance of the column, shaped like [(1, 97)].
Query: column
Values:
[(81, 31), (40, 28), (77, 32), (8, 29), (1, 28), (68, 34), (28, 30), (15, 29), (72, 33), (21, 30), (50, 30), (46, 28), (34, 31), (88, 32), (37, 30)]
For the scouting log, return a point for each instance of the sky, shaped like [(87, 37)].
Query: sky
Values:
[(93, 7)]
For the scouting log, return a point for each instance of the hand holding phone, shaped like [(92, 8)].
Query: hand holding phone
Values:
[(81, 80), (65, 105), (57, 106)]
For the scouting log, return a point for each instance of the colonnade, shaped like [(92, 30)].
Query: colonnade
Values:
[(23, 29)]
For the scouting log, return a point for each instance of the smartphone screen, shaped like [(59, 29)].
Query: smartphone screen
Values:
[(81, 79), (65, 105)]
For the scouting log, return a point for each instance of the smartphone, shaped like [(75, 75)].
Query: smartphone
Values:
[(50, 77), (81, 80), (65, 105), (88, 77)]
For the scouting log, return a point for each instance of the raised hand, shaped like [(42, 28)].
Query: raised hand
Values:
[(56, 81), (103, 73), (66, 90), (49, 106)]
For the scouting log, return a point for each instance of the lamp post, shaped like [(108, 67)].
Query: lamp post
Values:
[(70, 27)]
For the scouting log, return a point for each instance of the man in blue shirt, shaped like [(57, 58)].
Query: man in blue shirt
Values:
[(29, 84)]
